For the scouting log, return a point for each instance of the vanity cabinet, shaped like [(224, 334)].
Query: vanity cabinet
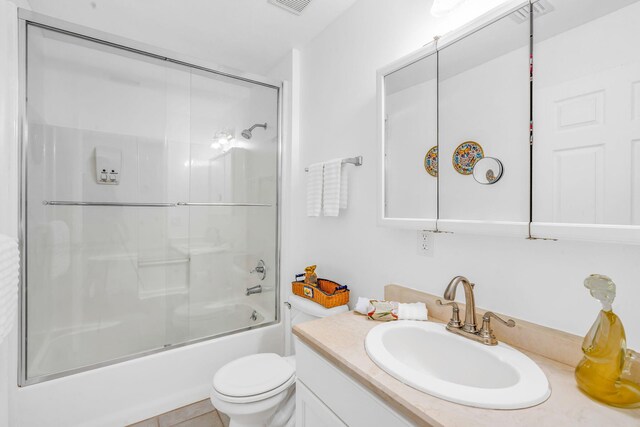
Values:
[(311, 411), (533, 113), (325, 396)]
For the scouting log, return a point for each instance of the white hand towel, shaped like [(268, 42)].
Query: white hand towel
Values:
[(363, 306), (9, 271), (412, 311), (344, 187), (314, 189), (331, 187)]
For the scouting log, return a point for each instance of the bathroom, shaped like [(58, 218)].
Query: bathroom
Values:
[(134, 321)]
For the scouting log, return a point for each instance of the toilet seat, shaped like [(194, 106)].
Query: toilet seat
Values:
[(253, 378)]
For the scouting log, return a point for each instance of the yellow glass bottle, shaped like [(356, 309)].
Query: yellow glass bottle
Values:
[(608, 372)]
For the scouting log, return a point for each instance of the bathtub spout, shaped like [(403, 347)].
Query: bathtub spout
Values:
[(254, 290)]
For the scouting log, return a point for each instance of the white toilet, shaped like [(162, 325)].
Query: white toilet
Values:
[(259, 390)]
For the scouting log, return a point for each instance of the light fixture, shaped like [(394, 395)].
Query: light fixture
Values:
[(441, 8), (222, 140)]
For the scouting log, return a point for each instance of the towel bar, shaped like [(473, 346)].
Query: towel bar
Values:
[(145, 205), (351, 160), (139, 205)]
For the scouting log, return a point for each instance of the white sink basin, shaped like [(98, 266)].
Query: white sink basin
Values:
[(427, 357)]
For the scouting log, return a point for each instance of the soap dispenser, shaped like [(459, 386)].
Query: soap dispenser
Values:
[(608, 372)]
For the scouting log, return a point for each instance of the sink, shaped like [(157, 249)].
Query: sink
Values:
[(425, 356)]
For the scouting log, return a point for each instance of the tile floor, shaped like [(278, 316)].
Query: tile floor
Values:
[(199, 414)]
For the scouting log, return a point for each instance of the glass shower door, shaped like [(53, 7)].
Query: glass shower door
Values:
[(130, 248), (232, 205)]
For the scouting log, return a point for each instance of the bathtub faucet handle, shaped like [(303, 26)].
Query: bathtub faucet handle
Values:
[(261, 268)]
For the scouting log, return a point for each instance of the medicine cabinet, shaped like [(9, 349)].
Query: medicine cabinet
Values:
[(524, 122), (586, 91), (410, 126)]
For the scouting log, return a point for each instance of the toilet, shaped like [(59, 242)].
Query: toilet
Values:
[(259, 390)]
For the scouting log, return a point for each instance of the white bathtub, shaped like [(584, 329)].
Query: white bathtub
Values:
[(200, 320), (76, 348)]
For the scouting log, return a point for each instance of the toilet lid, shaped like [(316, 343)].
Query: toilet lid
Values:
[(252, 375)]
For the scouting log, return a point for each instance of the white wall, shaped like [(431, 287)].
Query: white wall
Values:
[(539, 281), (288, 71)]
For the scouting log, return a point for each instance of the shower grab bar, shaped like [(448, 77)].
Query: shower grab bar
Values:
[(153, 262), (222, 204), (139, 205), (350, 160)]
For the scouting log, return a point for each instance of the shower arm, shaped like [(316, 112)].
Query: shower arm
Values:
[(257, 125)]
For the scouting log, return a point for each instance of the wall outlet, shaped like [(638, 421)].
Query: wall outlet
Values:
[(425, 243)]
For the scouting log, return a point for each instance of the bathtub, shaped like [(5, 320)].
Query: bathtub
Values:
[(73, 349), (200, 320)]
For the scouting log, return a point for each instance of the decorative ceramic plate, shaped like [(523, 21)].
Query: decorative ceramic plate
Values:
[(431, 161), (466, 156)]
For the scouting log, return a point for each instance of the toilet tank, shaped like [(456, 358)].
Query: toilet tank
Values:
[(302, 310)]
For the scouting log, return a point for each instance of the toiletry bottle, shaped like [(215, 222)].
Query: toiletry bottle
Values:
[(608, 372)]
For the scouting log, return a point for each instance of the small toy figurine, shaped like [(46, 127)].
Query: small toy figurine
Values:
[(310, 276), (608, 370)]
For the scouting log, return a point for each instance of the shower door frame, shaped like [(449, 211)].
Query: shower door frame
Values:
[(27, 17)]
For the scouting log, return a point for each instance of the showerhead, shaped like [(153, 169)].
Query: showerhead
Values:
[(246, 134)]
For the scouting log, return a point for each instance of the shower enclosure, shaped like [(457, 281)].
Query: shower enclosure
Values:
[(149, 215)]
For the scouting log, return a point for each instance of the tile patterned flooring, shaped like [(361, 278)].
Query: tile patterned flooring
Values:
[(199, 414)]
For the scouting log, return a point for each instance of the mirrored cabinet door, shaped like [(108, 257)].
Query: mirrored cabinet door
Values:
[(586, 105), (484, 114), (409, 142)]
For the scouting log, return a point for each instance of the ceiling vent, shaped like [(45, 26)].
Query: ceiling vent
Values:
[(541, 7), (293, 6)]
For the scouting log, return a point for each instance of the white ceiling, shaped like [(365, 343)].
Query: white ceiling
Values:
[(249, 35)]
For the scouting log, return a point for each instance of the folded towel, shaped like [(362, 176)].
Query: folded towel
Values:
[(412, 311), (9, 271), (344, 186), (331, 187), (392, 310), (363, 306), (314, 189), (383, 310)]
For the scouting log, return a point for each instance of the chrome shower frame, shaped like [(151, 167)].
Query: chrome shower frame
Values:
[(27, 17)]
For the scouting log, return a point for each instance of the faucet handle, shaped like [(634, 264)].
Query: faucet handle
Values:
[(489, 314), (486, 332), (454, 322), (261, 268)]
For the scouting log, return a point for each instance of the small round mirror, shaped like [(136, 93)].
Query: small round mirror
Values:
[(487, 170)]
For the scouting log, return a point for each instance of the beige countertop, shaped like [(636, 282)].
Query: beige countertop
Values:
[(340, 339)]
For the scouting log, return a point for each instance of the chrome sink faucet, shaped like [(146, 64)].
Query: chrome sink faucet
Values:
[(470, 329)]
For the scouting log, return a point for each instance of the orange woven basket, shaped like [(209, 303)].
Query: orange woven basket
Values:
[(327, 293)]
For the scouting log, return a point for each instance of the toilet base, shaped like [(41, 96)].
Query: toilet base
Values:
[(269, 412)]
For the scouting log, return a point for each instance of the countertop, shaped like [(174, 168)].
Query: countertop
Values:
[(340, 339)]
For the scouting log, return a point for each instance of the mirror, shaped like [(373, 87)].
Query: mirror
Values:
[(484, 114), (410, 141), (586, 105), (487, 171)]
